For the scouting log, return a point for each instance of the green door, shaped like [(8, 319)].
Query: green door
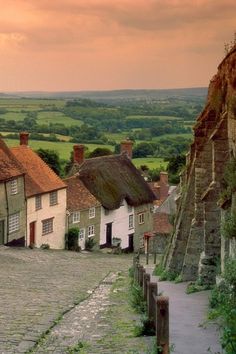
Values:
[(1, 232)]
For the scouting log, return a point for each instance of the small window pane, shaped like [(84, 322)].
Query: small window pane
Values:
[(131, 221), (141, 218), (81, 234), (91, 213), (38, 202), (53, 198), (14, 186), (47, 226), (91, 230), (76, 217), (14, 222)]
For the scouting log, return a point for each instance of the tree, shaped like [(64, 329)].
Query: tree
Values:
[(143, 150), (100, 152), (51, 158)]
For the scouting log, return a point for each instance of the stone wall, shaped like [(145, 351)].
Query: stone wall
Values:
[(195, 246)]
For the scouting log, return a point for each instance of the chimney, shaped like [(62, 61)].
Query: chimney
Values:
[(164, 186), (78, 153), (126, 147), (24, 137)]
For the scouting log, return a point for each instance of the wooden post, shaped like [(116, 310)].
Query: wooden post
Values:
[(155, 258), (162, 323), (151, 305), (146, 278), (147, 256), (141, 271)]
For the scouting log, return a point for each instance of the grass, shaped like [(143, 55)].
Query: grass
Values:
[(57, 117), (152, 117), (151, 162), (63, 149)]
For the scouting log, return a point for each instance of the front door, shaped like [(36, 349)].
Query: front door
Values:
[(82, 239), (109, 234), (1, 232), (32, 233), (131, 242)]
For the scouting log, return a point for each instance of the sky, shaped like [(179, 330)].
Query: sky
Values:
[(72, 45)]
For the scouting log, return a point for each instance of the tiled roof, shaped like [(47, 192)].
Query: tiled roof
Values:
[(39, 178), (9, 166), (161, 224), (78, 196), (112, 179)]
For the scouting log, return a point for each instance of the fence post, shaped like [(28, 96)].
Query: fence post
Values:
[(151, 306), (147, 257), (155, 258), (146, 279), (141, 271), (162, 323)]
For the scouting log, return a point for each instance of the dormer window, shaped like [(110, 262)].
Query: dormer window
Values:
[(14, 186), (91, 213)]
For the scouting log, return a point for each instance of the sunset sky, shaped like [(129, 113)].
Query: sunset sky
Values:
[(60, 45)]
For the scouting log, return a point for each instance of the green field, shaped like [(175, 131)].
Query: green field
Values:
[(151, 162), (151, 117), (29, 104), (57, 117), (63, 149)]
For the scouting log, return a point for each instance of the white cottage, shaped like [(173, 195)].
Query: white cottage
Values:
[(45, 199)]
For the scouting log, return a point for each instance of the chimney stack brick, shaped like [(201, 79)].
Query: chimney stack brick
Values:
[(78, 154), (126, 147), (24, 138)]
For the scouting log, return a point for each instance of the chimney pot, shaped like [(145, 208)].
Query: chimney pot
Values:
[(126, 147), (78, 154), (24, 137)]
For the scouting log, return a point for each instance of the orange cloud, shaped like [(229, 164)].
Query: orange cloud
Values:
[(102, 44)]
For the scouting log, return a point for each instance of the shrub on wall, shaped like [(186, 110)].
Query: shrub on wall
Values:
[(72, 239)]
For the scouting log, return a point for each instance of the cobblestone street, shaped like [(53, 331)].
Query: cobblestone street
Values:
[(39, 286)]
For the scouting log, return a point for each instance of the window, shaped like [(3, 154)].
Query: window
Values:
[(130, 209), (47, 226), (131, 221), (53, 198), (91, 231), (141, 218), (91, 213), (106, 211), (76, 217), (38, 202), (14, 222), (81, 234), (14, 186)]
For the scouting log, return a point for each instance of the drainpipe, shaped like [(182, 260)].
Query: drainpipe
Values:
[(7, 207)]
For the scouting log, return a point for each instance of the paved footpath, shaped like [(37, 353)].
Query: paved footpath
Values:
[(190, 332)]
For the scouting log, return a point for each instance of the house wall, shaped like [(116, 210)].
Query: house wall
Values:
[(85, 222), (147, 226), (11, 204), (55, 239), (120, 224)]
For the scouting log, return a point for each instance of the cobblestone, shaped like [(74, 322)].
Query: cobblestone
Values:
[(38, 286)]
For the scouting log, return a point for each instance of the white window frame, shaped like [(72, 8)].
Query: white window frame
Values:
[(75, 217), (141, 218), (131, 221), (92, 212), (82, 234), (91, 230), (53, 198), (38, 202), (47, 226), (14, 186), (14, 223)]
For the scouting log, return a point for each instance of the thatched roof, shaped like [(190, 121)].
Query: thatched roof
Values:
[(112, 179), (9, 166)]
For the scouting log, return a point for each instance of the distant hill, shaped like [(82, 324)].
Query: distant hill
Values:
[(117, 95)]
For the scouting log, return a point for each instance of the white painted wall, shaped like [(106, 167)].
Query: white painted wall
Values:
[(56, 239), (120, 224)]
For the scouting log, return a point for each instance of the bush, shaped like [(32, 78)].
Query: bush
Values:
[(228, 228), (90, 243), (72, 239), (45, 246), (223, 304)]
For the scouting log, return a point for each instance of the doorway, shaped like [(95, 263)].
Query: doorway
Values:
[(109, 234), (131, 242), (1, 232), (32, 233)]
